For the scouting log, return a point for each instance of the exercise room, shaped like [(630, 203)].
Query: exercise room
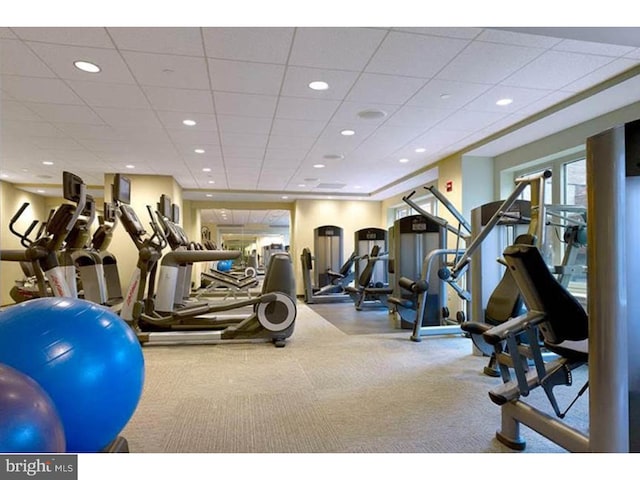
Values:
[(295, 238)]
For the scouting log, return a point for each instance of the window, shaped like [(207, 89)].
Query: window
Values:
[(427, 204), (575, 183)]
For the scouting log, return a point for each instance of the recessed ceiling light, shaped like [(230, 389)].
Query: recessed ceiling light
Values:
[(302, 185), (347, 132), (211, 182), (421, 150), (209, 195), (130, 166), (199, 150), (284, 197), (4, 175), (189, 123), (504, 102), (40, 191), (357, 186), (403, 160), (318, 165), (333, 156), (206, 169), (330, 198), (46, 162), (318, 85), (445, 96), (372, 114), (86, 66)]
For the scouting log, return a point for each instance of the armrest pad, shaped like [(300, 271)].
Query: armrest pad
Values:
[(512, 327)]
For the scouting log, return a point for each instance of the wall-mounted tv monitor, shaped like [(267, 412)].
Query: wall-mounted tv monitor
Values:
[(164, 206), (71, 186), (175, 213), (121, 189)]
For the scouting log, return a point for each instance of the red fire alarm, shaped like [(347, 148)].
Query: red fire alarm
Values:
[(449, 186)]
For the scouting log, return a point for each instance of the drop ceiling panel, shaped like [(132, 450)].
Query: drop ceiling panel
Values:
[(348, 113), (517, 38), (243, 140), (468, 33), (56, 143), (109, 94), (490, 63), (297, 80), (243, 151), (242, 163), (237, 124), (593, 48), (180, 100), (211, 151), (66, 113), (39, 90), (297, 128), (168, 70), (306, 108), (269, 44), (173, 120), (245, 104), (82, 36), (414, 55), (128, 117), (195, 138), (5, 32), (601, 74), (553, 70), (170, 40), (459, 94), (12, 110), (335, 48), (634, 54), (521, 98), (82, 131), (389, 89), (245, 77), (285, 155), (60, 59), (17, 59), (418, 117), (470, 121), (285, 141)]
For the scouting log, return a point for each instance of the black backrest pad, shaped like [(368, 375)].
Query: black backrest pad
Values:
[(367, 273), (566, 319), (505, 301), (279, 276)]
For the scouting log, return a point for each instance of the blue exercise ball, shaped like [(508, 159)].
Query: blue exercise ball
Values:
[(224, 265), (86, 358), (29, 422)]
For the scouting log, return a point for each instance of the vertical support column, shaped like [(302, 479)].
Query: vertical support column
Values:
[(607, 293)]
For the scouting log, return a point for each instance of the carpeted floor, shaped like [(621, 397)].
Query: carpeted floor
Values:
[(326, 391)]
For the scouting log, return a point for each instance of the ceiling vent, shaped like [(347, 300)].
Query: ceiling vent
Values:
[(331, 186)]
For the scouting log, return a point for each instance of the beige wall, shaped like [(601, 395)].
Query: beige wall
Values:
[(11, 199), (350, 215)]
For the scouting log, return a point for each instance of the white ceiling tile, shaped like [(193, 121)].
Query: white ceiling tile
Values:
[(517, 38), (418, 116), (245, 104), (306, 108), (110, 94), (268, 44), (128, 117), (285, 154), (237, 124), (389, 89), (521, 97), (168, 70), (272, 183), (553, 70), (173, 120), (193, 137), (243, 151), (30, 89), (297, 79), (415, 55), (297, 128), (5, 32), (12, 110), (286, 141), (335, 48), (245, 77), (60, 59), (600, 75), (54, 143), (634, 54), (25, 128), (172, 40), (459, 94), (66, 113), (348, 112), (139, 133), (211, 151), (468, 33), (83, 131), (545, 102), (180, 100), (17, 59), (243, 162), (483, 62), (243, 140), (470, 121), (593, 48), (82, 36)]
